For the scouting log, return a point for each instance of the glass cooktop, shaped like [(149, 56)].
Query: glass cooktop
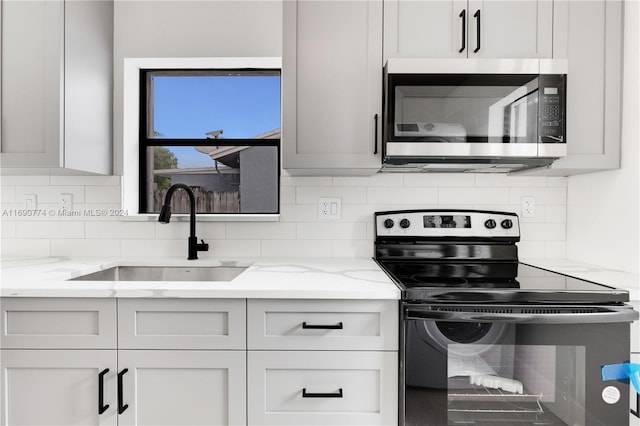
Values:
[(493, 281)]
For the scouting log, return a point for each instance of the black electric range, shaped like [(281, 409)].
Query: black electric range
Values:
[(471, 256)]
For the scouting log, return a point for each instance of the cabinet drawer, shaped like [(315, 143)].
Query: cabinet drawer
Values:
[(322, 388), (181, 324), (323, 324), (39, 323)]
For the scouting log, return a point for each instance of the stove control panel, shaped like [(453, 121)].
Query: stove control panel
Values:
[(447, 223)]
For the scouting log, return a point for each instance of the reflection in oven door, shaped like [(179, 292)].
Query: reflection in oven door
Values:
[(497, 374)]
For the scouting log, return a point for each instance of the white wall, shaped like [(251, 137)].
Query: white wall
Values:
[(298, 233), (603, 218)]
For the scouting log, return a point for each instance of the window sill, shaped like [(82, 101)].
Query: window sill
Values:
[(205, 218)]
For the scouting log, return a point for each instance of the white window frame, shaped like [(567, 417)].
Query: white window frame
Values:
[(131, 124)]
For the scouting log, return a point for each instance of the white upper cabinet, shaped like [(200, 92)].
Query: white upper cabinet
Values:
[(332, 87), (57, 85), (473, 29), (589, 35)]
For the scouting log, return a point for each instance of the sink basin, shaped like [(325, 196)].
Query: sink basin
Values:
[(164, 273)]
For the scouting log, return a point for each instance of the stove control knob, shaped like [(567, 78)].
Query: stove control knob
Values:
[(506, 224), (490, 224), (388, 223), (404, 223)]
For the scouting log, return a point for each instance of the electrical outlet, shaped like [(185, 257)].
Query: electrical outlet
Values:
[(329, 208), (65, 202), (30, 202), (528, 206)]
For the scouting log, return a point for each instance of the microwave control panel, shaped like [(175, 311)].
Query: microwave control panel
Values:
[(552, 108)]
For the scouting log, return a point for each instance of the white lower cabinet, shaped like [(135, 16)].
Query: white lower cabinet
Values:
[(182, 387), (67, 361), (58, 387), (322, 388)]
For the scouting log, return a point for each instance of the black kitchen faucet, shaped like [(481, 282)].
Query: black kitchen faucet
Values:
[(165, 217)]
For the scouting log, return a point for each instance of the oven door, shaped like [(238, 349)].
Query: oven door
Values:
[(513, 365)]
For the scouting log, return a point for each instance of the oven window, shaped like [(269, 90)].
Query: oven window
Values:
[(532, 384)]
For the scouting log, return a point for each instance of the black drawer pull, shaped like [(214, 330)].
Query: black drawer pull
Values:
[(337, 326), (121, 407), (306, 394), (101, 406)]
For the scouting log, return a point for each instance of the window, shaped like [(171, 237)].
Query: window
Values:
[(217, 131)]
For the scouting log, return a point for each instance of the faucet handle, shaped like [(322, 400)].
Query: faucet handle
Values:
[(202, 246)]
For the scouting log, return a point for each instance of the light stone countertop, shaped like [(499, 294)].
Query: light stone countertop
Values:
[(334, 278)]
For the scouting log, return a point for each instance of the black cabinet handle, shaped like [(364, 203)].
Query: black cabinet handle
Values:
[(477, 16), (636, 412), (375, 137), (463, 15), (101, 406), (121, 407), (337, 326), (306, 394)]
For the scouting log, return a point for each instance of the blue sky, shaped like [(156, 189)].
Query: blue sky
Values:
[(189, 107)]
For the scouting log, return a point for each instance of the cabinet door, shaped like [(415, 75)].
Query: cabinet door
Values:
[(183, 387), (58, 387), (425, 29), (510, 29), (332, 81), (31, 82)]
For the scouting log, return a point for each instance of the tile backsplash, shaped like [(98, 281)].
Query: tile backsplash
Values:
[(298, 233)]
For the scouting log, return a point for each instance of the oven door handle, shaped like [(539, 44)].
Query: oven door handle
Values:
[(604, 315)]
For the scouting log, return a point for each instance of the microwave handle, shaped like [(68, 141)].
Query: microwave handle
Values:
[(477, 16), (463, 15), (609, 315), (375, 134)]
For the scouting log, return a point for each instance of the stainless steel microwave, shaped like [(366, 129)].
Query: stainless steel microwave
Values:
[(473, 115)]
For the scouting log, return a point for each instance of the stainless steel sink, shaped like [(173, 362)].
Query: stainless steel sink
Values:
[(164, 273)]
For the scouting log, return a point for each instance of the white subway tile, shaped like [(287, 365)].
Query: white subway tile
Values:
[(402, 195), (364, 212), (330, 230), (543, 231), (305, 180), (7, 194), (287, 195), (154, 248), (543, 195), (25, 247), (296, 248), (88, 212), (555, 213), (352, 248), (33, 229), (260, 231), (531, 250), (473, 195), (500, 180), (121, 230), (349, 195), (439, 179), (102, 194), (437, 206), (42, 180), (180, 230), (50, 194), (299, 212), (7, 229), (557, 181), (230, 249), (555, 250), (85, 247), (380, 179), (86, 180)]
